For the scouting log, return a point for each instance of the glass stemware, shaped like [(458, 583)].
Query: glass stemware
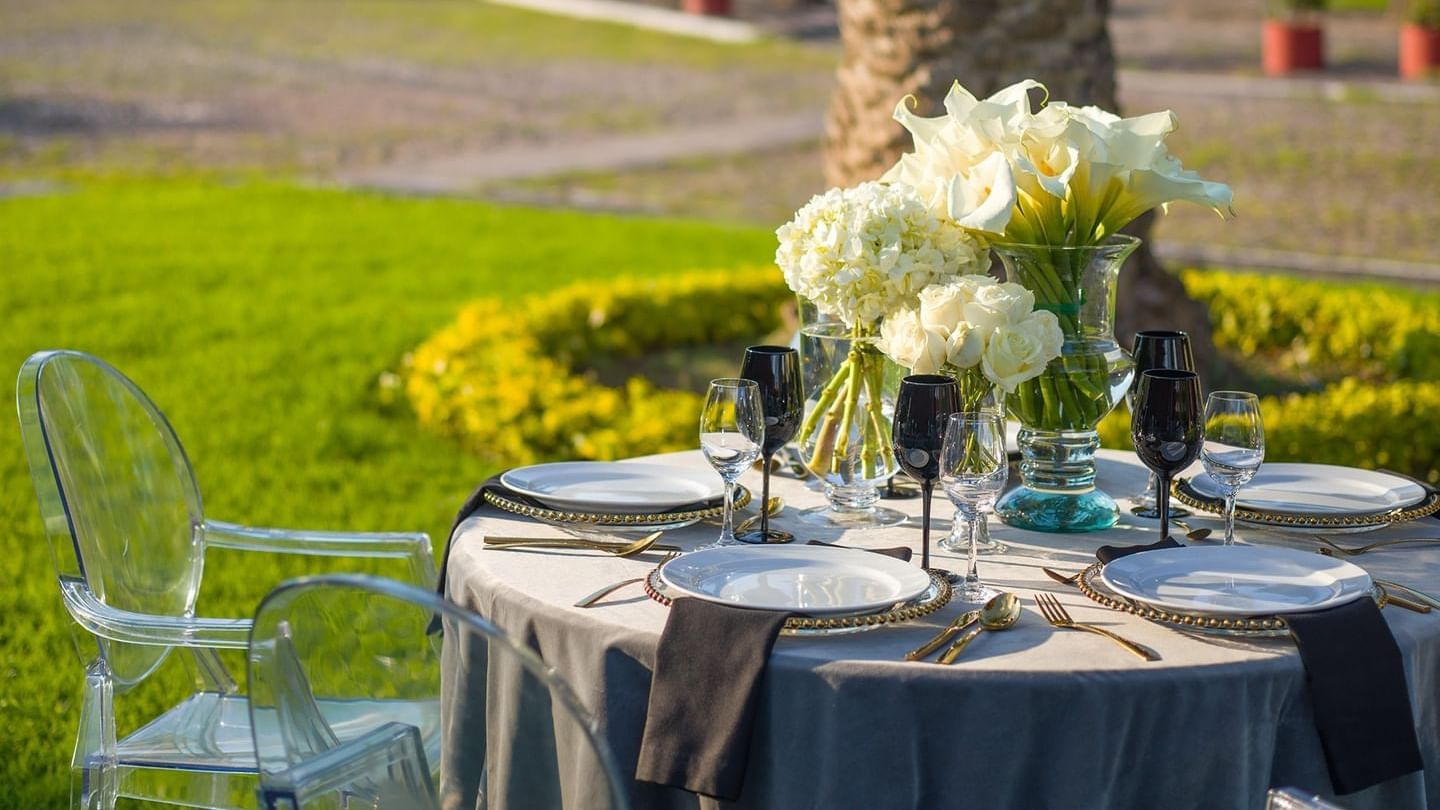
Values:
[(1157, 348), (923, 405), (1234, 446), (776, 370), (973, 471), (1167, 429), (731, 431)]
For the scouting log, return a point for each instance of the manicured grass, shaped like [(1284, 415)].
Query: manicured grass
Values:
[(259, 317)]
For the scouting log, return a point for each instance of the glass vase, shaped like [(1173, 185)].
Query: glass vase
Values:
[(1058, 410), (845, 437)]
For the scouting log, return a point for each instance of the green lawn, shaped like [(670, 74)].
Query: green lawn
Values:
[(259, 316)]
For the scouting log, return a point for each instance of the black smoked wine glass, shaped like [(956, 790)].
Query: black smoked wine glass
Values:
[(776, 369), (1158, 348), (1167, 428), (922, 408)]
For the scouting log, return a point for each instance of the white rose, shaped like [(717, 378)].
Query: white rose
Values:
[(965, 346), (904, 339), (942, 306), (1020, 351), (998, 305)]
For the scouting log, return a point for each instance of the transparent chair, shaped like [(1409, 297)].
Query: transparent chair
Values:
[(123, 515), (1289, 798), (488, 725)]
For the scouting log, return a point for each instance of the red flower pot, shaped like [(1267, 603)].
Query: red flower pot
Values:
[(1289, 46), (709, 8), (1419, 51)]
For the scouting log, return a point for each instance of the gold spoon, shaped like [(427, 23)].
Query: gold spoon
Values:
[(1000, 613), (627, 550)]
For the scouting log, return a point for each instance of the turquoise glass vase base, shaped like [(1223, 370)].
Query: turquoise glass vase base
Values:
[(1071, 512)]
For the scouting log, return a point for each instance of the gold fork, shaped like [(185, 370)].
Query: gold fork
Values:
[(615, 586), (1057, 615), (1353, 551)]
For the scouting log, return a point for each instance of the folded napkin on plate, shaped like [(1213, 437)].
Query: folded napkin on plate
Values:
[(708, 670), (1107, 554), (1358, 692), (902, 553)]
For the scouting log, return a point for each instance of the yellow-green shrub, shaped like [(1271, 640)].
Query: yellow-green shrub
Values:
[(507, 379), (1322, 329), (1352, 422)]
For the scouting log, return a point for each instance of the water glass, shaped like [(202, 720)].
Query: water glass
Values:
[(1234, 446), (973, 471), (1157, 348), (732, 429), (1166, 428)]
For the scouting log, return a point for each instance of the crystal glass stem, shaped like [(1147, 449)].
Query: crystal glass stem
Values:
[(727, 524), (1148, 498), (1230, 493), (972, 572)]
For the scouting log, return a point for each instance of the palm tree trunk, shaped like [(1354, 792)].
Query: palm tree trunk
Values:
[(894, 48)]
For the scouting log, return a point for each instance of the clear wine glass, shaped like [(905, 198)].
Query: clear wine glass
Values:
[(1234, 446), (973, 469), (732, 427)]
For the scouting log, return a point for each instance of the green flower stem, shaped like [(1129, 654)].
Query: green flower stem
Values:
[(879, 426), (827, 398), (847, 417)]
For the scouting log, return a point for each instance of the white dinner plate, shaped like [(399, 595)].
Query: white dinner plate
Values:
[(815, 580), (1309, 489), (1236, 580), (613, 487)]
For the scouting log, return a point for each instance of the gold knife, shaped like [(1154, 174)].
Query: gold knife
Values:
[(961, 622)]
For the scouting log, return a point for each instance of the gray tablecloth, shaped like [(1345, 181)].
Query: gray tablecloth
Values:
[(1031, 718)]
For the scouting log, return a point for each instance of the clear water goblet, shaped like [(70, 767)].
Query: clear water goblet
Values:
[(732, 428), (1234, 446), (973, 471)]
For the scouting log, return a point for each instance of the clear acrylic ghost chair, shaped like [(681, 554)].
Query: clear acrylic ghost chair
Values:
[(1289, 798), (123, 515), (492, 726)]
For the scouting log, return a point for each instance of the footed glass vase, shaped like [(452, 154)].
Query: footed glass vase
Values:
[(845, 437), (1058, 410)]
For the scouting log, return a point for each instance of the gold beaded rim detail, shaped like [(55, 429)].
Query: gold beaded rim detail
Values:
[(1427, 507), (1247, 626), (610, 519), (935, 597)]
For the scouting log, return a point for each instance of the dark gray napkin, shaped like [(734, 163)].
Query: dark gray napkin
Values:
[(1358, 692), (1106, 554), (708, 670)]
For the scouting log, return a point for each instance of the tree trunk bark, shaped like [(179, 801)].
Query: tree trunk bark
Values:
[(894, 48)]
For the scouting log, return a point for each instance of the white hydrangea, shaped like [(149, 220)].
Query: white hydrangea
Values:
[(865, 252)]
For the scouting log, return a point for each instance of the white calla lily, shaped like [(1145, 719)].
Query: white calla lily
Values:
[(983, 200)]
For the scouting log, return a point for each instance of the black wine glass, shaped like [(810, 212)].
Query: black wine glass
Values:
[(776, 369), (1167, 428), (1158, 348), (922, 407)]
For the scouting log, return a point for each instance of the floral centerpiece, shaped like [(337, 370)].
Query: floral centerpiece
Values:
[(855, 257), (1049, 191)]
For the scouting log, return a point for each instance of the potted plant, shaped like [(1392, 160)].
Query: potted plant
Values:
[(1293, 39), (1420, 40)]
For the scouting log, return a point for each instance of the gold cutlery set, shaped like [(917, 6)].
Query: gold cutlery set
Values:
[(1002, 613)]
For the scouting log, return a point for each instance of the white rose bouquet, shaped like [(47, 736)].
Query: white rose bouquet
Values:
[(860, 255), (1055, 187), (984, 333)]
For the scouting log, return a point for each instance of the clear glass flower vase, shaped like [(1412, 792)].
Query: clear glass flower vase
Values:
[(1058, 410), (845, 438)]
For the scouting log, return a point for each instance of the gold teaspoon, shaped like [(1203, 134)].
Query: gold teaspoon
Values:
[(1000, 613)]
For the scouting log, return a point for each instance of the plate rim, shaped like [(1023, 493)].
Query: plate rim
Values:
[(1404, 503), (760, 552), (1231, 611), (507, 481)]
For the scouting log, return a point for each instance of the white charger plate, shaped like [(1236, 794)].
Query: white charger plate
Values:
[(1236, 580), (814, 580), (1311, 489), (613, 487)]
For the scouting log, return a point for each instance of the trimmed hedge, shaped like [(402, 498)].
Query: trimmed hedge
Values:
[(510, 382)]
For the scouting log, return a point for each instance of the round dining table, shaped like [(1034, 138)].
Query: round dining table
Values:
[(1033, 717)]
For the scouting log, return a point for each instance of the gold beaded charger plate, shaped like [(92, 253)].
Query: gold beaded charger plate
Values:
[(1090, 584), (936, 595), (1340, 522), (654, 521)]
